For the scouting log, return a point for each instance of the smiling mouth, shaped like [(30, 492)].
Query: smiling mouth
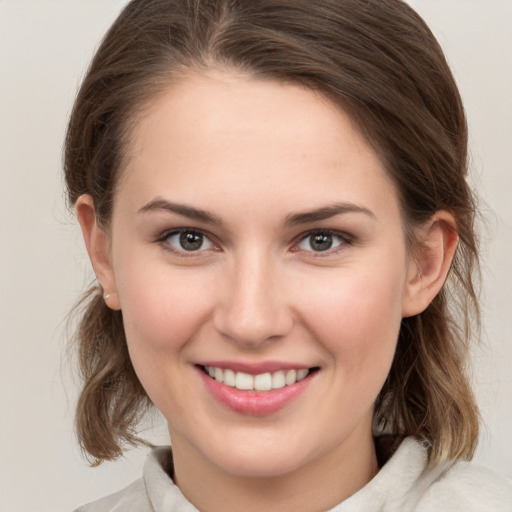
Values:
[(261, 382)]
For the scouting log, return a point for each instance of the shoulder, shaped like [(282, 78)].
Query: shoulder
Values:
[(133, 497), (154, 491), (468, 487), (408, 483)]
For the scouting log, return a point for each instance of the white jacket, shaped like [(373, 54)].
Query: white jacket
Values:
[(404, 484)]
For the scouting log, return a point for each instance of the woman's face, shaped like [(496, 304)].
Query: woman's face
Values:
[(256, 237)]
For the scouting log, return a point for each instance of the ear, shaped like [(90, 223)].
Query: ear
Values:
[(437, 243), (97, 244)]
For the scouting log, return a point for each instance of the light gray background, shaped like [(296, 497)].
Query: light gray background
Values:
[(45, 46)]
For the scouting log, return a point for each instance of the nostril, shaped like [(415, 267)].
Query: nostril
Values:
[(253, 326)]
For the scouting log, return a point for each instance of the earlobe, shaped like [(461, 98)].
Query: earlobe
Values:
[(96, 242), (437, 243)]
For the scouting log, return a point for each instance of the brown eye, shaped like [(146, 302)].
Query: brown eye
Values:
[(191, 241), (188, 240), (321, 241)]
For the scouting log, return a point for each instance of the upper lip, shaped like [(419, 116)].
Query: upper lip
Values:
[(254, 368)]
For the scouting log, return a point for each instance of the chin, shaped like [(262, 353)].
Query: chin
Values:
[(260, 465), (260, 457)]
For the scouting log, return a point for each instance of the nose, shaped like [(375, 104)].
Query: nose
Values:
[(253, 309)]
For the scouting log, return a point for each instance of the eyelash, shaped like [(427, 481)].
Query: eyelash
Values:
[(164, 240), (344, 240)]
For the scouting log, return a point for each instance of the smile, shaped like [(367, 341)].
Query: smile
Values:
[(256, 389), (261, 382)]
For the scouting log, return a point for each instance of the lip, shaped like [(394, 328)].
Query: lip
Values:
[(255, 403)]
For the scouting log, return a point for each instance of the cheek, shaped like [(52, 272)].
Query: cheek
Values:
[(357, 317), (161, 309), (162, 312), (357, 323)]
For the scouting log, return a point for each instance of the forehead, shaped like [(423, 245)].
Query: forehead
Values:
[(245, 137)]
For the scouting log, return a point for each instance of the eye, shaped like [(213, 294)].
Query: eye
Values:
[(187, 240), (322, 241)]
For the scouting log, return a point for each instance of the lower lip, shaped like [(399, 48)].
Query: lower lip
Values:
[(255, 403)]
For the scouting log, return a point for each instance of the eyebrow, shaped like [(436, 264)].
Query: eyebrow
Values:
[(326, 212), (181, 209), (294, 219)]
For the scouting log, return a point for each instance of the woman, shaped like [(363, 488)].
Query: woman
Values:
[(273, 196)]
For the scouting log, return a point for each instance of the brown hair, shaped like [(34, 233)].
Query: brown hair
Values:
[(378, 60)]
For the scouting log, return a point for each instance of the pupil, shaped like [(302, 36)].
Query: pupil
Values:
[(321, 242), (191, 241)]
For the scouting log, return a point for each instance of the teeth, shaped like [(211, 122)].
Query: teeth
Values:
[(291, 377), (244, 381), (278, 380), (229, 377), (218, 374), (261, 382), (302, 373)]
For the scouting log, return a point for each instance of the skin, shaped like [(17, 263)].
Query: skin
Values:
[(253, 153)]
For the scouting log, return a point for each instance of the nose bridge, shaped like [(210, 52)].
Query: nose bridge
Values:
[(253, 308)]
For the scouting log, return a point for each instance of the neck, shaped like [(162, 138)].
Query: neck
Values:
[(320, 485)]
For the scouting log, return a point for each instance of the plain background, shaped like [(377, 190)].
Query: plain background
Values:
[(45, 46)]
